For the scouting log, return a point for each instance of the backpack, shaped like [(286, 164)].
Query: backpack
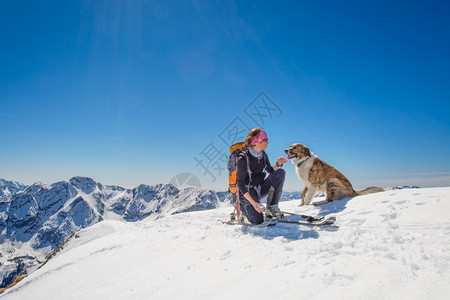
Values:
[(235, 150)]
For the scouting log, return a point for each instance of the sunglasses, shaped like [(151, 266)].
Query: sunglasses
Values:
[(265, 140)]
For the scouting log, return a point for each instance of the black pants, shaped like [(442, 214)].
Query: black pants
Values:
[(272, 187)]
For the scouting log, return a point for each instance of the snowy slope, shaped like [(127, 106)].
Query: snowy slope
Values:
[(390, 245)]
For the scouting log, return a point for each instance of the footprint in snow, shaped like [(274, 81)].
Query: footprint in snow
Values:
[(226, 255), (365, 212)]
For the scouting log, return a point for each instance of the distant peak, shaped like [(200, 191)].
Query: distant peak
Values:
[(81, 179)]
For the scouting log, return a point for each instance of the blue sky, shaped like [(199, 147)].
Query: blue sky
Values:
[(131, 92)]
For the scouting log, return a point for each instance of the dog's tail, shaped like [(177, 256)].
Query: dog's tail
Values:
[(369, 190)]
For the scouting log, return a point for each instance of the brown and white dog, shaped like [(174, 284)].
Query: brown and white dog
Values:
[(318, 176)]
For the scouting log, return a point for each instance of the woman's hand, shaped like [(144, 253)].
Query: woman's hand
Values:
[(257, 206), (281, 161)]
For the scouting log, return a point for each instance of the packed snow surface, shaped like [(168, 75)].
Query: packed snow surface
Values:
[(389, 245)]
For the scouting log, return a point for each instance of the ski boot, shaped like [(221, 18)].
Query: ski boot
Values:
[(273, 211)]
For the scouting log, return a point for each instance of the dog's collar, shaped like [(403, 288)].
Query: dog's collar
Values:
[(300, 163)]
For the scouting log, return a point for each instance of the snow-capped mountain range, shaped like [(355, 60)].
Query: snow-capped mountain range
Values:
[(36, 219)]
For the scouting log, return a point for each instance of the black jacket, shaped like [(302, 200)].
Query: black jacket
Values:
[(257, 167)]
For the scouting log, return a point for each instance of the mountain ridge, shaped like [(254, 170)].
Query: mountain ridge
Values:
[(36, 219)]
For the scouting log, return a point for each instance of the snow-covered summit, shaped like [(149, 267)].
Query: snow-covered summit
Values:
[(389, 245), (85, 184)]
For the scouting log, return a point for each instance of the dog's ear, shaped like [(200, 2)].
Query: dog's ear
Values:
[(306, 151)]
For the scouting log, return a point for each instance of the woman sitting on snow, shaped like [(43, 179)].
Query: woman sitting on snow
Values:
[(252, 166)]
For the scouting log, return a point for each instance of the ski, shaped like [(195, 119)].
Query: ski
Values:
[(307, 217), (267, 223), (323, 222)]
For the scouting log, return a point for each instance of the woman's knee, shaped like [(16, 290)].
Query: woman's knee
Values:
[(281, 173), (256, 218), (250, 213)]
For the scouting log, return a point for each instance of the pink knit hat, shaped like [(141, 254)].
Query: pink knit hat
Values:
[(259, 138)]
